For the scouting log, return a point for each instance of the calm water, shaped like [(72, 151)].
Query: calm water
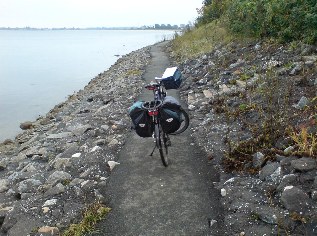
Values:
[(39, 69)]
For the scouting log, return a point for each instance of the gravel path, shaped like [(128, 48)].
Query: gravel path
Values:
[(149, 199)]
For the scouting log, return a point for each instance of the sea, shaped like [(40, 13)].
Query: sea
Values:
[(41, 68)]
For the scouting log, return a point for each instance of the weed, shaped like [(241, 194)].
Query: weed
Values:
[(91, 216), (297, 217), (244, 77), (134, 72), (305, 142), (255, 216)]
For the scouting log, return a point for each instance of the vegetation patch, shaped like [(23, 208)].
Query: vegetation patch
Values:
[(133, 72), (194, 42), (91, 216)]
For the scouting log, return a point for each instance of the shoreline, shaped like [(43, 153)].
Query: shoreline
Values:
[(59, 166)]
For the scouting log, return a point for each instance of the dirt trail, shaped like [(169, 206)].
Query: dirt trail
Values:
[(149, 199)]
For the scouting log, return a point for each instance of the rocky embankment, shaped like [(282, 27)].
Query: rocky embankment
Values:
[(248, 103), (61, 162)]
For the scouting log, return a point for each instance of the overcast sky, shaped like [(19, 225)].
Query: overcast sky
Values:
[(93, 13)]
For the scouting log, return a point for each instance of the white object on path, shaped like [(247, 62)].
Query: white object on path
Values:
[(112, 164)]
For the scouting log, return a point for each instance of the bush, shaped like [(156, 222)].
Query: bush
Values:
[(285, 20)]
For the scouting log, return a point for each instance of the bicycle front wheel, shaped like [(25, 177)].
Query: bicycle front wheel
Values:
[(161, 143)]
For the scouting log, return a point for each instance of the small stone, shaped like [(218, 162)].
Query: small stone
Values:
[(4, 185), (26, 125), (50, 202), (76, 155), (208, 94), (2, 166), (288, 150), (112, 164), (58, 176), (95, 148), (105, 127), (191, 107), (56, 190), (28, 185), (223, 192), (241, 83), (258, 159), (60, 135), (303, 102), (287, 180), (100, 142), (45, 209), (49, 230), (113, 143), (268, 170)]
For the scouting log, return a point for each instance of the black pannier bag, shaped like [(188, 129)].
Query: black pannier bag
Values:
[(170, 115), (142, 122), (172, 78)]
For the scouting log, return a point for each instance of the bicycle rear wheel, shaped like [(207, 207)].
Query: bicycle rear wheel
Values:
[(161, 139), (184, 124)]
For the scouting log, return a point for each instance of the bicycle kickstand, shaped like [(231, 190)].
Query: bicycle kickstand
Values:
[(153, 150)]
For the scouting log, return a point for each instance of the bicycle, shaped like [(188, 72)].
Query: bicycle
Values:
[(162, 140)]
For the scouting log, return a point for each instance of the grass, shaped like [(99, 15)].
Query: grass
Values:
[(200, 40), (133, 72), (91, 216)]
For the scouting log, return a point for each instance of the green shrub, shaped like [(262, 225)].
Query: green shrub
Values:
[(285, 20)]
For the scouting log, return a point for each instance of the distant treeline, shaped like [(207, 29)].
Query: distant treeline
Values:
[(285, 20), (156, 27)]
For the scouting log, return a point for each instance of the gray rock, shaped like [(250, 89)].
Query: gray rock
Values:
[(287, 180), (105, 127), (28, 186), (58, 176), (302, 103), (26, 125), (304, 164), (268, 170), (60, 135), (4, 185), (268, 215), (35, 150), (56, 190), (286, 164), (296, 70), (100, 142), (113, 143), (3, 166), (60, 163), (295, 200), (80, 129), (258, 159)]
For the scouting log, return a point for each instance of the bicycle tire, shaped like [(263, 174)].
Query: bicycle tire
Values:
[(184, 124), (160, 138)]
